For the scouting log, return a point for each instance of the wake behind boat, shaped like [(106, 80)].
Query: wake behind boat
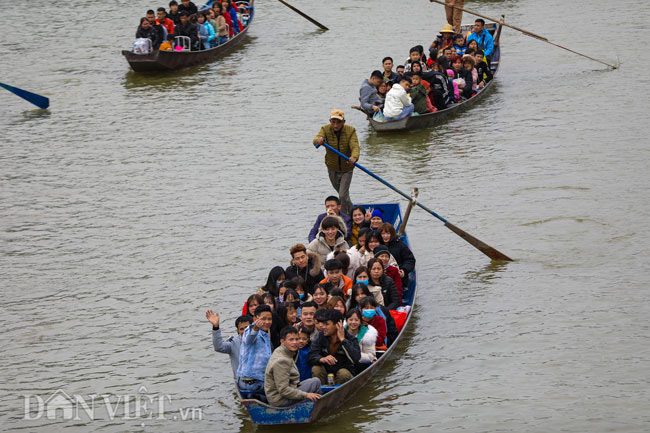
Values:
[(158, 60), (429, 119)]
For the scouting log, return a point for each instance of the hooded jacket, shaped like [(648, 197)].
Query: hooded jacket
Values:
[(396, 100), (281, 377), (312, 273), (320, 247), (345, 225), (347, 354)]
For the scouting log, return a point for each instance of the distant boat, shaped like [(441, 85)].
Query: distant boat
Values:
[(171, 60), (428, 120), (334, 396)]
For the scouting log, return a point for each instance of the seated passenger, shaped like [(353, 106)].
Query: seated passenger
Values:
[(483, 70), (174, 14), (375, 239), (334, 351), (222, 28), (472, 45), (360, 250), (306, 265), (371, 103), (399, 250), (232, 11), (459, 44), (414, 57), (332, 208), (334, 276), (418, 93), (442, 41), (146, 31), (376, 219), (232, 345), (162, 32), (288, 314), (164, 21), (186, 28), (255, 351), (379, 279), (329, 238), (460, 72), (168, 45), (398, 105), (400, 71), (440, 91), (303, 354), (337, 303), (187, 6), (251, 304), (282, 383), (321, 295), (206, 32), (389, 75), (366, 336), (453, 84), (383, 255), (300, 289), (359, 219), (369, 317), (273, 281), (445, 60), (468, 65), (361, 289), (349, 260), (382, 89), (269, 299), (307, 312)]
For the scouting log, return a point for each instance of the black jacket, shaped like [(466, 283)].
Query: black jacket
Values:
[(466, 75), (191, 8), (403, 255), (391, 327), (482, 68), (306, 274), (441, 93), (389, 292), (347, 354), (152, 34), (190, 31)]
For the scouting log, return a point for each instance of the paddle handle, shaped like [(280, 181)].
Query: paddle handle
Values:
[(388, 184)]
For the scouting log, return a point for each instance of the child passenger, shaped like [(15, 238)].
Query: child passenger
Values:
[(484, 72), (459, 44), (418, 93), (167, 45), (303, 352)]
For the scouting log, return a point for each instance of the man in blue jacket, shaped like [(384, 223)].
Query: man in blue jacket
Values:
[(483, 38)]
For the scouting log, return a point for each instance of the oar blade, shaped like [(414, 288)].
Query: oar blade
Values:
[(489, 251), (38, 100)]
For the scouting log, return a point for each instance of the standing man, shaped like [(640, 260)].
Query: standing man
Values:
[(343, 138), (282, 384), (483, 38), (454, 16)]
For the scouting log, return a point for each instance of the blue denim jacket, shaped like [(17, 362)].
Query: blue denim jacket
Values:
[(254, 354)]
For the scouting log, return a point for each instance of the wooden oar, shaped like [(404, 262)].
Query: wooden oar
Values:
[(526, 32), (492, 253), (405, 220), (304, 15), (38, 100)]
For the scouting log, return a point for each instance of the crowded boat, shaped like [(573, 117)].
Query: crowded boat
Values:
[(327, 315), (455, 68), (184, 27)]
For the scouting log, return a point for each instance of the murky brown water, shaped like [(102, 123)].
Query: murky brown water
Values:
[(136, 203)]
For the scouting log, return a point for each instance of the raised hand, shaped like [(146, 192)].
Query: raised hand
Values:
[(212, 317), (340, 331)]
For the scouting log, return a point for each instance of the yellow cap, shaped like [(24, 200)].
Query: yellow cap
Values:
[(337, 114)]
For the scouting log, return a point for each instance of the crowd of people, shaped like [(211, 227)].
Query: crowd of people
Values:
[(457, 68), (185, 27), (327, 316)]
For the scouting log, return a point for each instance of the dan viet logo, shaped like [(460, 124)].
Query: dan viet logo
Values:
[(61, 406)]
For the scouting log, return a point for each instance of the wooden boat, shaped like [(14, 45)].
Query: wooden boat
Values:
[(334, 396), (427, 120), (172, 60)]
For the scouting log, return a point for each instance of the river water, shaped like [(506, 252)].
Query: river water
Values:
[(135, 203)]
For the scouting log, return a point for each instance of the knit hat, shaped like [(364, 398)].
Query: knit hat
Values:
[(450, 72), (381, 249), (377, 213)]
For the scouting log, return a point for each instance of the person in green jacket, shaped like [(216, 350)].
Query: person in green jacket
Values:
[(343, 138), (281, 379), (418, 93)]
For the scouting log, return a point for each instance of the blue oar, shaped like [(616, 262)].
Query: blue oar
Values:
[(38, 100), (489, 251)]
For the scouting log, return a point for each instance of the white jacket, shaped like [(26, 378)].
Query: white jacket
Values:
[(396, 100), (368, 345)]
